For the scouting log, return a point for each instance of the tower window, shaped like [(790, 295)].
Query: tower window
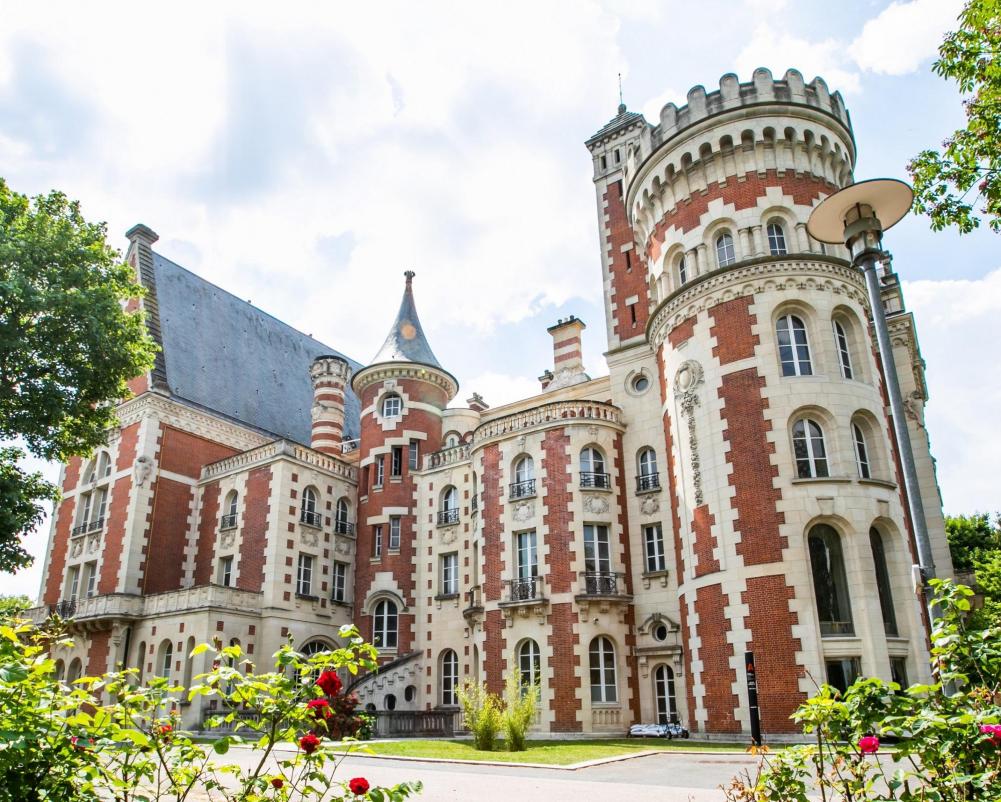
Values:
[(776, 239), (830, 585), (396, 465), (725, 254), (602, 665), (844, 352), (794, 348), (861, 452), (394, 533), (682, 271), (883, 583), (392, 406), (384, 625), (808, 446)]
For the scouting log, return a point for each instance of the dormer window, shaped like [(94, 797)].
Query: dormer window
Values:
[(392, 406)]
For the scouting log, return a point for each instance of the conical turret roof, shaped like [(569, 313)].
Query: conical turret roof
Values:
[(406, 341)]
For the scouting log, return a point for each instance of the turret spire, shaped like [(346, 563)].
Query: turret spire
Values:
[(406, 341)]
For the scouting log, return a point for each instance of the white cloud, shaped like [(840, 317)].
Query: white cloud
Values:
[(651, 108), (778, 51), (959, 327), (904, 35)]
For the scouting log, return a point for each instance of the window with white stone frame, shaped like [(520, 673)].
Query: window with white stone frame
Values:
[(604, 689), (861, 452), (653, 544), (449, 678), (794, 346), (338, 592), (776, 239), (392, 406), (304, 576), (529, 664), (226, 571), (450, 574), (725, 254), (394, 532), (385, 624), (809, 449), (841, 343)]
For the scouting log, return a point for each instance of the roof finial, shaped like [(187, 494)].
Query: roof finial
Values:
[(622, 104), (410, 276)]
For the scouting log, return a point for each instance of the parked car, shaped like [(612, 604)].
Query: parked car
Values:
[(672, 730)]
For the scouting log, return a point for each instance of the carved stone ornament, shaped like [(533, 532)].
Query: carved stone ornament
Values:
[(310, 538), (687, 380), (689, 376), (94, 544), (448, 535), (595, 504), (520, 442), (141, 469), (592, 430), (524, 511), (342, 546), (227, 538), (76, 549), (650, 505)]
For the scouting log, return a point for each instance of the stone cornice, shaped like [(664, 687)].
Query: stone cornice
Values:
[(545, 416), (281, 449), (404, 370)]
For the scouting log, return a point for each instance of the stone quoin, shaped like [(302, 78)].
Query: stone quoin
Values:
[(729, 486)]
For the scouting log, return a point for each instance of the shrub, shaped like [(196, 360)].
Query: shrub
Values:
[(520, 702), (948, 743), (482, 711)]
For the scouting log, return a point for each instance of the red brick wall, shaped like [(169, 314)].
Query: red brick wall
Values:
[(494, 650), (563, 643), (755, 500), (97, 653), (770, 621), (743, 193), (118, 511), (682, 332), (254, 533), (185, 453), (704, 541), (60, 545), (208, 524), (493, 526), (715, 652), (558, 518), (72, 476), (628, 273), (732, 322), (167, 539), (627, 562)]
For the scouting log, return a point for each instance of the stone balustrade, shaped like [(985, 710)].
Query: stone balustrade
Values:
[(544, 415), (281, 448), (447, 456)]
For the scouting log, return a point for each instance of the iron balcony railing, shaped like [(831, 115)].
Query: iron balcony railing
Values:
[(311, 518), (523, 590), (88, 526), (228, 521), (450, 516), (64, 609), (593, 479), (647, 481), (834, 629), (344, 527), (523, 489), (601, 583), (474, 503)]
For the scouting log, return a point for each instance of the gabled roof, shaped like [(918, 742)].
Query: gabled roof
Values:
[(406, 341), (226, 355), (621, 119)]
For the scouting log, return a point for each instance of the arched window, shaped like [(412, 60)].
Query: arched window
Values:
[(776, 239), (524, 478), (390, 701), (529, 663), (448, 506), (883, 582), (103, 465), (310, 515), (648, 478), (188, 662), (682, 271), (861, 452), (60, 670), (315, 647), (141, 660), (75, 671), (452, 440), (449, 678), (725, 255), (166, 662), (228, 520), (844, 351), (663, 691), (342, 521), (602, 659), (808, 447), (830, 585), (592, 468), (392, 406), (384, 625), (794, 348)]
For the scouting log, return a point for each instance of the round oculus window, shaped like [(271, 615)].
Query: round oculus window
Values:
[(660, 632), (641, 383)]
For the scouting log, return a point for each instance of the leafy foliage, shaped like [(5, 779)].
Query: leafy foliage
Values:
[(520, 703), (70, 743), (12, 606), (970, 159), (947, 742), (482, 711), (971, 537), (67, 346)]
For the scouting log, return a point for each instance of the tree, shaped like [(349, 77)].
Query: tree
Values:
[(68, 347), (970, 159), (970, 536), (11, 606)]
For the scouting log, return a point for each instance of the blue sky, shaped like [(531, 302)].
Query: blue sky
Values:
[(304, 155)]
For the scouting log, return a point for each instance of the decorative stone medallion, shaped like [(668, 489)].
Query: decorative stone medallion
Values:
[(595, 504), (310, 538), (524, 511), (650, 505), (227, 538)]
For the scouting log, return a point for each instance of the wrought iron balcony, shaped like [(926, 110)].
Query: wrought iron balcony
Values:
[(474, 602), (449, 516), (311, 518), (64, 609), (837, 629), (523, 489), (88, 526), (474, 503), (343, 527), (228, 521), (647, 481), (593, 479), (525, 590), (602, 583)]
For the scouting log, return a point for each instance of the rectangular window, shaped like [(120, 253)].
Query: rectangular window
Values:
[(73, 582), (842, 673), (377, 539), (414, 454), (339, 593), (653, 541), (380, 470), (304, 581), (226, 571), (396, 466), (597, 553), (100, 503), (898, 671), (394, 533), (528, 557), (450, 574), (90, 571)]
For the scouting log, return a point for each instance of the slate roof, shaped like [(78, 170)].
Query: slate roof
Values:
[(624, 117), (406, 341), (228, 356)]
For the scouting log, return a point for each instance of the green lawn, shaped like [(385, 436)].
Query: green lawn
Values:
[(556, 753)]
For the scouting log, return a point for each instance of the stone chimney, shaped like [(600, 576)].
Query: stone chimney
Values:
[(568, 360), (330, 375), (476, 403)]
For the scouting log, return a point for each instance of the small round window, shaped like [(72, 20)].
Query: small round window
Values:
[(660, 632), (641, 382)]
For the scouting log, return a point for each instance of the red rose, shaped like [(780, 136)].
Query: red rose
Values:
[(994, 731), (277, 782), (358, 786), (308, 743), (319, 708), (329, 682), (868, 745)]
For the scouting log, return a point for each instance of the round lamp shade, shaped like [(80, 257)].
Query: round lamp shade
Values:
[(890, 199)]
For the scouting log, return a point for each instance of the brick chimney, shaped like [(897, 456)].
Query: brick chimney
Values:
[(568, 360), (330, 374)]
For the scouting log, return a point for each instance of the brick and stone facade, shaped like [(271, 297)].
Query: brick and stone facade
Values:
[(624, 539)]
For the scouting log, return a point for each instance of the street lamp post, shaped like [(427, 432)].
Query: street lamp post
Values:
[(857, 216)]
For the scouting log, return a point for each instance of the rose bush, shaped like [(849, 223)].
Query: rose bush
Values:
[(946, 735), (111, 737)]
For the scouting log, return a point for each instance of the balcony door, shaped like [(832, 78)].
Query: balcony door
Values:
[(527, 562), (597, 553)]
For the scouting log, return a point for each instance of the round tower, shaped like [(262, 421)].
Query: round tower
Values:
[(329, 375), (790, 537), (403, 393)]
